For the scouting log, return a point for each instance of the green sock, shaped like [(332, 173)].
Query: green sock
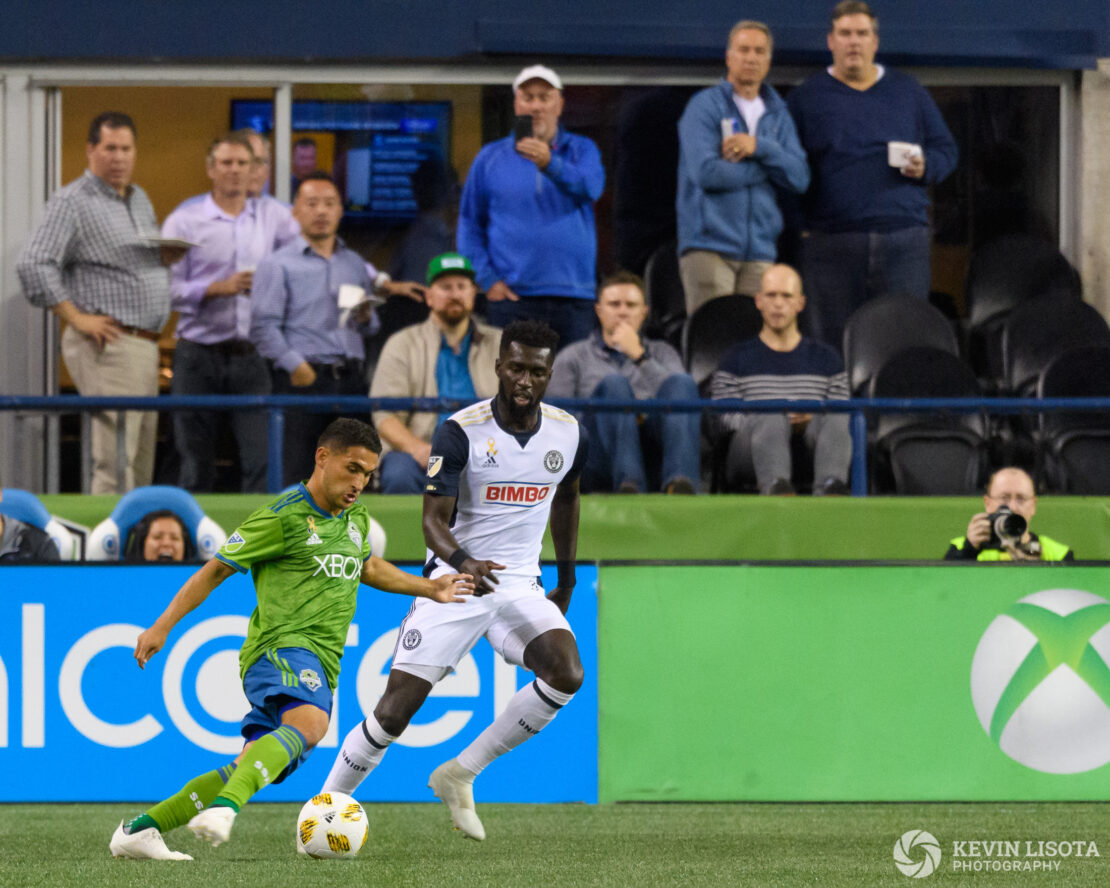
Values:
[(180, 808), (264, 761)]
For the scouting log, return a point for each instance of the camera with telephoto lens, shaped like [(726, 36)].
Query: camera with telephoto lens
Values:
[(1007, 528)]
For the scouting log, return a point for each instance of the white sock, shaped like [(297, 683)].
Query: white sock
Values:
[(362, 750), (530, 710)]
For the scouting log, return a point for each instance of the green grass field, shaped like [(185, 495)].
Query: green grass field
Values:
[(639, 845)]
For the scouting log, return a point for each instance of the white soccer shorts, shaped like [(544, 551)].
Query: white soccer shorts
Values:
[(439, 635)]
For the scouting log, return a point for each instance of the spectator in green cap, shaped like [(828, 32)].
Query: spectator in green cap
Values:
[(450, 355)]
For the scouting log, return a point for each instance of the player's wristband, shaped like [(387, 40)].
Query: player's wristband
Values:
[(565, 570), (457, 558)]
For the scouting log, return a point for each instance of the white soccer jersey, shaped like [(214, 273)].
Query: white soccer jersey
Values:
[(503, 482)]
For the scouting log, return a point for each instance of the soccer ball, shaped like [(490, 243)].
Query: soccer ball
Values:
[(331, 824)]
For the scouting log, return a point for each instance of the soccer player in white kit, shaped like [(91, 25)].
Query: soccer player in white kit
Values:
[(498, 470)]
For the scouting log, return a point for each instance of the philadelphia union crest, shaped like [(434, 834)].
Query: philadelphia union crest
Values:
[(553, 461), (411, 639)]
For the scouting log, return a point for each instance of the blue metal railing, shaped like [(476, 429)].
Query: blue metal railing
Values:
[(276, 405)]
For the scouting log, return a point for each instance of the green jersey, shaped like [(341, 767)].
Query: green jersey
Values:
[(306, 565)]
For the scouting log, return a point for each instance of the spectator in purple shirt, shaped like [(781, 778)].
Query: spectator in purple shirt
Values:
[(211, 291)]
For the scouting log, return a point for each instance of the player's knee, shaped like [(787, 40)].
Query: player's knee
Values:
[(565, 675), (310, 721), (393, 714)]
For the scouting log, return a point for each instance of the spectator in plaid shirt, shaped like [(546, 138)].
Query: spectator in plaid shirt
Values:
[(94, 261)]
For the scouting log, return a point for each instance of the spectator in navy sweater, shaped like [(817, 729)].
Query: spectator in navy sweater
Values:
[(526, 221), (866, 211), (737, 148), (780, 363)]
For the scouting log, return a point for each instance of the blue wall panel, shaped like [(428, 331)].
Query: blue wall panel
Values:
[(1065, 34), (71, 691)]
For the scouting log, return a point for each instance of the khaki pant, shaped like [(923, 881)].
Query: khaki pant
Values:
[(707, 275), (128, 366)]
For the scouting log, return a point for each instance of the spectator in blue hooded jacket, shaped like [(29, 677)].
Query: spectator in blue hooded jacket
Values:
[(526, 221), (737, 146)]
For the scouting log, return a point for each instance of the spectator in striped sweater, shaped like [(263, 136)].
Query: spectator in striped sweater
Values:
[(780, 363)]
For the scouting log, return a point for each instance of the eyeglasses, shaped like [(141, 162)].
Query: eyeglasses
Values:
[(1012, 499)]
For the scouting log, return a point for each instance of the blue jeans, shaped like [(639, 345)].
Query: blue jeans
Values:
[(573, 319), (400, 473), (616, 454), (841, 271)]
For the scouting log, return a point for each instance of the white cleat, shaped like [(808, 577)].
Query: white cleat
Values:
[(145, 845), (213, 824), (454, 785)]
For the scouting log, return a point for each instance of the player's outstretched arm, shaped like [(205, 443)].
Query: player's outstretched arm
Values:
[(381, 574), (197, 588), (564, 536), (436, 523)]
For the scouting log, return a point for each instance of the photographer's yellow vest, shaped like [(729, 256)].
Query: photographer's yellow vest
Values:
[(1050, 550)]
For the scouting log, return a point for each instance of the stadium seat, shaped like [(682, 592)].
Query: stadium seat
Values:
[(106, 543), (883, 327), (928, 454), (1075, 447), (26, 507), (666, 300), (715, 326), (1002, 275), (1037, 331)]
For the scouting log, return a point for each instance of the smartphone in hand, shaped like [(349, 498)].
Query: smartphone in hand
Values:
[(522, 127)]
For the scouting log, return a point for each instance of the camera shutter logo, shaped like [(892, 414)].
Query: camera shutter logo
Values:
[(917, 854), (1040, 681)]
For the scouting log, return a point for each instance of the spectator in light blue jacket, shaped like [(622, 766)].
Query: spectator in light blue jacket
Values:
[(737, 145), (526, 220)]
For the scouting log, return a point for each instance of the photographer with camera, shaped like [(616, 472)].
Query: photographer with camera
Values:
[(1001, 532)]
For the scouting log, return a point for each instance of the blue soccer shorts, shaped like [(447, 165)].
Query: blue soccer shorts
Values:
[(276, 682)]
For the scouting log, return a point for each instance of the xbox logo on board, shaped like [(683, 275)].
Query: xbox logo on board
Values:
[(1040, 682)]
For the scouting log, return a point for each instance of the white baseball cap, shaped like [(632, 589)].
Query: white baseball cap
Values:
[(538, 72)]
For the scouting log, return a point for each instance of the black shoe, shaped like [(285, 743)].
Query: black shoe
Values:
[(629, 487), (832, 487), (779, 487), (680, 485)]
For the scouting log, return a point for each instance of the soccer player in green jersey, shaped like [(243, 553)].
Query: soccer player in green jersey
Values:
[(307, 551)]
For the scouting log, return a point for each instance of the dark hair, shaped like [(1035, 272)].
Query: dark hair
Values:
[(305, 142), (534, 334), (136, 539), (317, 176), (344, 433), (235, 137), (623, 277), (852, 7), (112, 120)]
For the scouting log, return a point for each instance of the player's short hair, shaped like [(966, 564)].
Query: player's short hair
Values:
[(344, 433), (112, 120), (534, 334), (852, 7), (318, 176), (751, 25)]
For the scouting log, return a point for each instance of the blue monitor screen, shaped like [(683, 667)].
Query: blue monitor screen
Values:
[(372, 149)]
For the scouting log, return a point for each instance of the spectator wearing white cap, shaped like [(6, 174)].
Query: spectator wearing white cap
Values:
[(527, 216)]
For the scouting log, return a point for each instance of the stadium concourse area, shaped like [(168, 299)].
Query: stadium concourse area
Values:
[(654, 527)]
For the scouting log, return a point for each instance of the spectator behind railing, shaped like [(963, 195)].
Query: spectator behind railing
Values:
[(875, 140), (311, 310), (617, 362), (450, 355), (159, 536), (781, 363), (527, 215), (95, 261), (211, 292), (738, 149), (120, 535), (1001, 531)]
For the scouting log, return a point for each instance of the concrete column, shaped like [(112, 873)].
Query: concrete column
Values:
[(1094, 186)]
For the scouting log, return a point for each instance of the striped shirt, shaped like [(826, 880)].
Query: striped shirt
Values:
[(91, 249), (754, 372)]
